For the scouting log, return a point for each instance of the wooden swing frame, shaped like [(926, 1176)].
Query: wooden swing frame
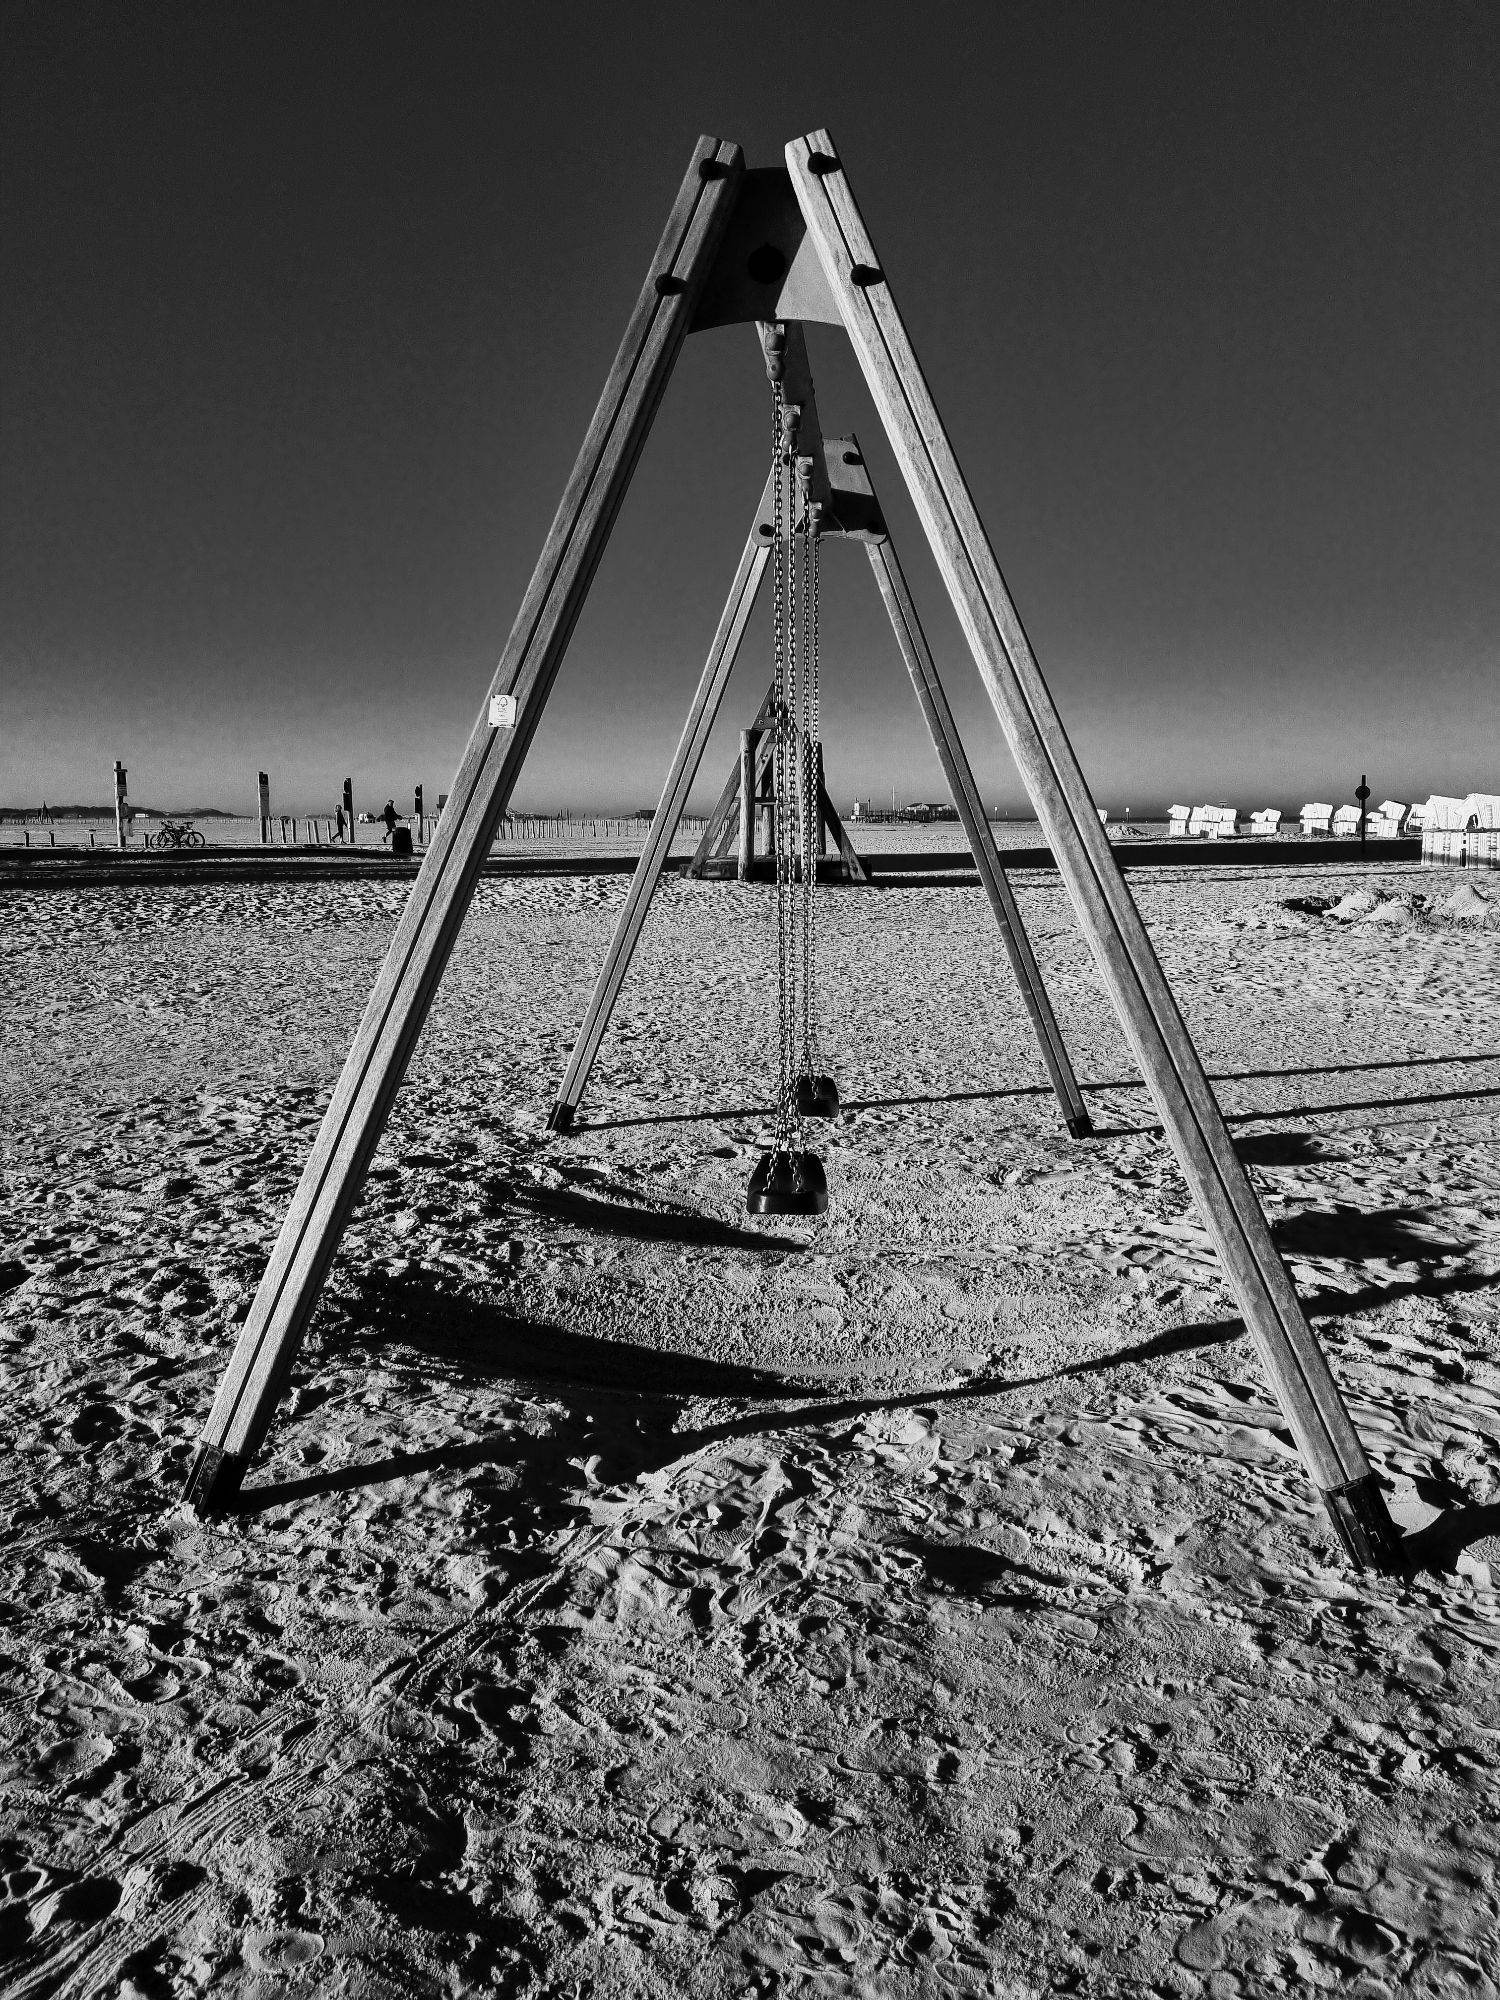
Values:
[(768, 246)]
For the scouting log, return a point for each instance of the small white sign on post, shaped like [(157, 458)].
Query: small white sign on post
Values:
[(502, 711)]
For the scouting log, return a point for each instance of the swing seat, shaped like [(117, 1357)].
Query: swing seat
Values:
[(817, 1097), (787, 1184)]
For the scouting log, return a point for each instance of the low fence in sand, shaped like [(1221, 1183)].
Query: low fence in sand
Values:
[(41, 830)]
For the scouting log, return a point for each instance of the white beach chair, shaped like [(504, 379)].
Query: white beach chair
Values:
[(1445, 822)]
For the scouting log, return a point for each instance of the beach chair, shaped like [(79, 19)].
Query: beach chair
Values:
[(1445, 822), (1482, 830), (1345, 823), (1266, 824), (1316, 822), (1177, 822)]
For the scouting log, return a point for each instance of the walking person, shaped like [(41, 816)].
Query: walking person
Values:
[(389, 818)]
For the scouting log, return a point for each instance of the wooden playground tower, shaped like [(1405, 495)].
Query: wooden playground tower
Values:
[(776, 247)]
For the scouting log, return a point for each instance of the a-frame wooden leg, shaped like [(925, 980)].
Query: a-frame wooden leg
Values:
[(956, 769), (851, 867), (684, 768), (440, 896), (1295, 1363)]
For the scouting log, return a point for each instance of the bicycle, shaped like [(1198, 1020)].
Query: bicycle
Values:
[(176, 833)]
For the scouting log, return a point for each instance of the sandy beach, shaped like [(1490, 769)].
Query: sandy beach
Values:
[(635, 1598)]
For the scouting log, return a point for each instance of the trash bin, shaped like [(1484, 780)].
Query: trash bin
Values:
[(401, 841)]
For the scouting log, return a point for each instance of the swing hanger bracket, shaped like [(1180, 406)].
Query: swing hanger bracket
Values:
[(784, 347)]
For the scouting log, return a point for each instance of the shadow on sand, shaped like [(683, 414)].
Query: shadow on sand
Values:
[(622, 1405), (715, 1113)]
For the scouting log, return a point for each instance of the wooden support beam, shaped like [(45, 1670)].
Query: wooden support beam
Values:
[(1298, 1370), (749, 753), (684, 768), (430, 922), (938, 716), (719, 832)]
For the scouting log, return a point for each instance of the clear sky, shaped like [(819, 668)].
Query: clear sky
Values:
[(305, 311)]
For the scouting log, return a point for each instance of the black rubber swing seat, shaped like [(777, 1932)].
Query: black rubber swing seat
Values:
[(817, 1097), (787, 1184)]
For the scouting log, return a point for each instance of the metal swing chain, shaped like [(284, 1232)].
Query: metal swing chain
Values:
[(788, 1121), (807, 813), (814, 811), (778, 697), (791, 746)]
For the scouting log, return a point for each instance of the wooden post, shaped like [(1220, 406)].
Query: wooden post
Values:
[(486, 777), (749, 745), (349, 810), (684, 768), (264, 790), (851, 867), (1293, 1360), (938, 716), (122, 810), (720, 828)]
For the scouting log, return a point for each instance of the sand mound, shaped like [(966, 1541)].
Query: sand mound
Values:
[(1467, 905), (1358, 903), (1394, 910)]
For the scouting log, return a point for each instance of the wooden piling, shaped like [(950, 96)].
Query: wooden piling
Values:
[(749, 746)]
